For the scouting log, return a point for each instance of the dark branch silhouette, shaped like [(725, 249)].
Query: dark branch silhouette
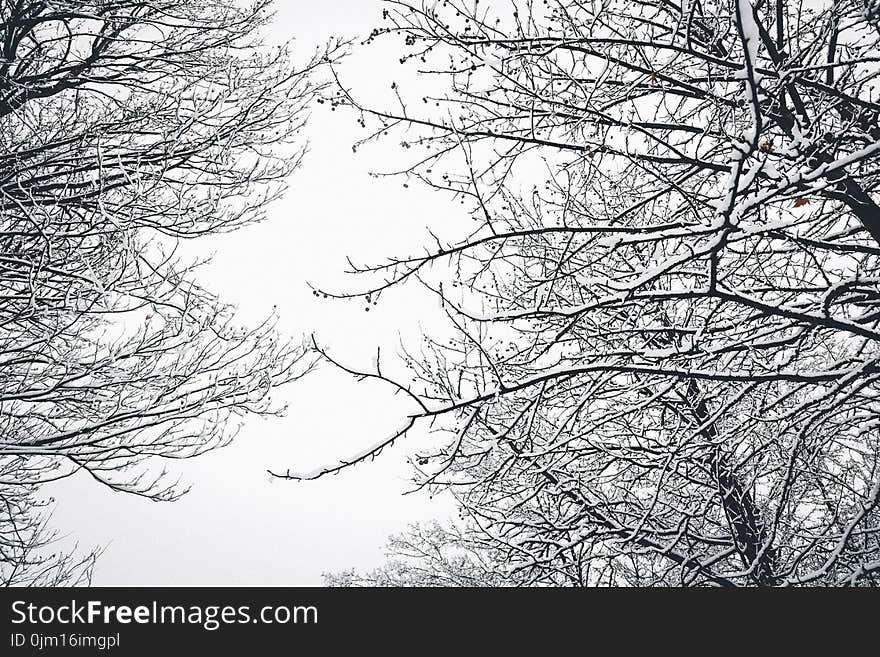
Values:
[(126, 128), (667, 308)]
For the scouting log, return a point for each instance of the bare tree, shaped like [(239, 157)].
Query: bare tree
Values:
[(432, 555), (126, 128), (667, 364)]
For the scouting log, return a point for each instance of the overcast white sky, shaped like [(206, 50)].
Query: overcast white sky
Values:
[(237, 526)]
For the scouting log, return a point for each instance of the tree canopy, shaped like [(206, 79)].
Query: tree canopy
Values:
[(128, 127), (668, 310)]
